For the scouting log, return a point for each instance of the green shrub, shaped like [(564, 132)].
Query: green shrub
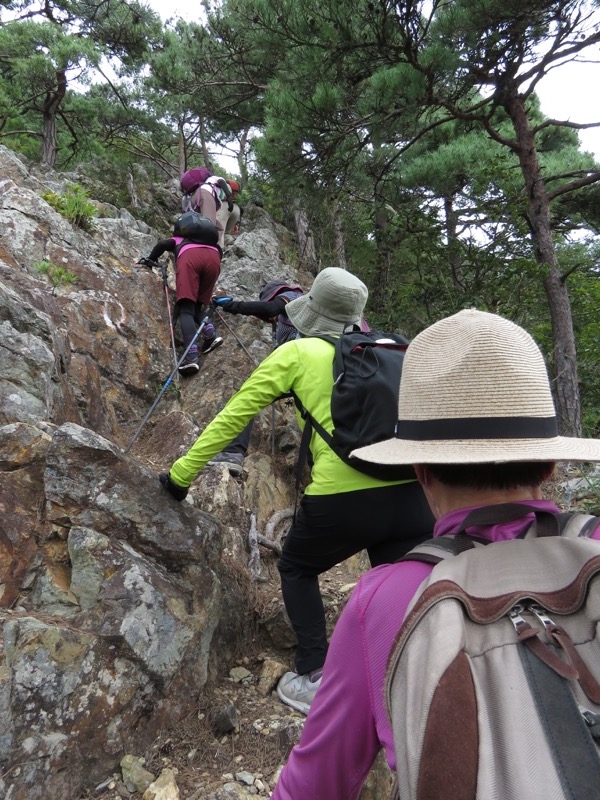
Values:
[(74, 205), (58, 276)]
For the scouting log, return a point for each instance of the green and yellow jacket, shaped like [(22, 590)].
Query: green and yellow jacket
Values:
[(304, 367)]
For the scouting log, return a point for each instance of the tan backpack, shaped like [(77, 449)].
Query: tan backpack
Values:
[(493, 686)]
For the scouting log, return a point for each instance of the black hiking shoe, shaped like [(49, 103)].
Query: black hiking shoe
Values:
[(210, 344), (189, 366), (233, 461)]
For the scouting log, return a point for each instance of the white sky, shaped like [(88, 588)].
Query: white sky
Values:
[(569, 92)]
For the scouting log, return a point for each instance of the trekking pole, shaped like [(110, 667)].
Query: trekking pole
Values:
[(166, 384), (274, 343), (237, 338), (163, 272)]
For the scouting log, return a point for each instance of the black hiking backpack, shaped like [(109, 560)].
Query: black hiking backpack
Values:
[(196, 228), (364, 402)]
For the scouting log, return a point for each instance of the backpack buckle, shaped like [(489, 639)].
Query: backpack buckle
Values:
[(593, 722), (515, 616), (540, 613)]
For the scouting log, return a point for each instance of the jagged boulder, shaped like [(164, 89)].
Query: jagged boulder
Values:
[(116, 602), (117, 609)]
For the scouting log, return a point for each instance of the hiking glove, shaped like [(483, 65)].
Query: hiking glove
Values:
[(178, 492), (146, 262), (222, 302)]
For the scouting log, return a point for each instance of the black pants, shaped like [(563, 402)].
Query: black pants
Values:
[(190, 316), (328, 529)]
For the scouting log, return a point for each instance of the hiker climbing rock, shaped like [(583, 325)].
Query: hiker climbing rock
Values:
[(213, 193), (465, 699), (205, 193), (197, 267), (342, 511), (229, 216), (270, 307)]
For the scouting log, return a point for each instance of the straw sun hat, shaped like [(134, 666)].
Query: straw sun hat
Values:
[(335, 300), (475, 389)]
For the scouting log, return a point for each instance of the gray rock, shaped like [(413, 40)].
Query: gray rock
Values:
[(279, 628), (135, 776), (112, 595), (224, 719), (245, 777)]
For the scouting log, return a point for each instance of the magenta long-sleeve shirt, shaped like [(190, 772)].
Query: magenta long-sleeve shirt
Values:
[(348, 722)]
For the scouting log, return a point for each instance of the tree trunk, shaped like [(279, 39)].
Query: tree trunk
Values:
[(306, 244), (379, 288), (241, 158), (566, 384), (339, 242), (52, 103), (182, 148), (204, 145), (131, 188), (454, 248), (378, 291)]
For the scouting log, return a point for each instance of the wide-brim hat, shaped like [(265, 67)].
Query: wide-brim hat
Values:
[(335, 300), (474, 389)]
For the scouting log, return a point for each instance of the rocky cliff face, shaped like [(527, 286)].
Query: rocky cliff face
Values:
[(116, 602)]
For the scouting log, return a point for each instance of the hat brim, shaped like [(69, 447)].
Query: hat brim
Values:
[(491, 451), (312, 322)]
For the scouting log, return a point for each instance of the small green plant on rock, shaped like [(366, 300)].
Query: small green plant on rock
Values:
[(58, 276), (74, 205)]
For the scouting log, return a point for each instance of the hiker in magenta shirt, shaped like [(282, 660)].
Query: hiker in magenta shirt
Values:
[(476, 419)]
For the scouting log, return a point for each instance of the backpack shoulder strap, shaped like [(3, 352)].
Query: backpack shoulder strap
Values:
[(546, 521), (567, 524), (310, 424), (432, 551), (573, 525), (331, 339)]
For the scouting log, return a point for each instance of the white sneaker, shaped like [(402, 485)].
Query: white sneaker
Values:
[(297, 691)]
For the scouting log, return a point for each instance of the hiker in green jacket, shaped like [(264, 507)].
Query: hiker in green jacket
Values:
[(342, 511)]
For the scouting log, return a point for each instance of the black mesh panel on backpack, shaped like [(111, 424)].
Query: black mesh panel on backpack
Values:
[(364, 401), (196, 228)]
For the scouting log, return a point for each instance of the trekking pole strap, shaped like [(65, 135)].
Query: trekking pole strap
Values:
[(303, 449), (310, 424), (163, 272)]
